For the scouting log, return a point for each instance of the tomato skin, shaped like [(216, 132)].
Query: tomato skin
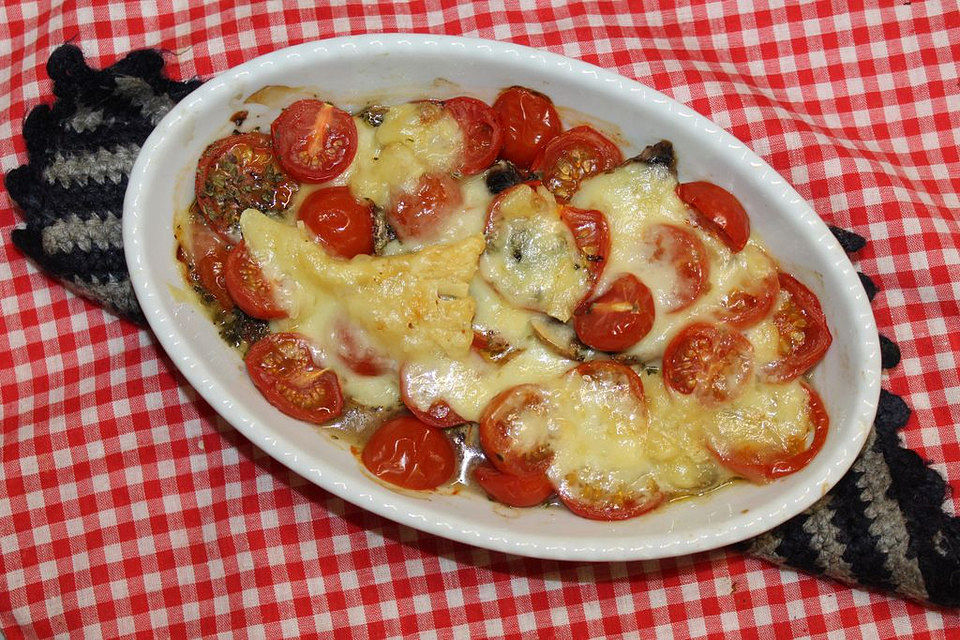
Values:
[(756, 466), (528, 120), (249, 288), (610, 370), (679, 249), (573, 156), (210, 270), (206, 254), (314, 141), (418, 215), (482, 134), (714, 362), (592, 237), (360, 357), (802, 315), (744, 308), (496, 439), (718, 210), (617, 319), (237, 173), (588, 503), (409, 454), (513, 490), (281, 366), (439, 414), (340, 223)]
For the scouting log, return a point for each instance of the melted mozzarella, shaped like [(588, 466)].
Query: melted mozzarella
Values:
[(408, 305), (531, 257), (635, 196), (415, 138)]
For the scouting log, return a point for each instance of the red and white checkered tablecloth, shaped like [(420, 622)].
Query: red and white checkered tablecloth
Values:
[(128, 507)]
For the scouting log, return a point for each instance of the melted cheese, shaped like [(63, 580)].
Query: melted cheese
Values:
[(531, 257), (635, 196), (409, 305), (415, 138)]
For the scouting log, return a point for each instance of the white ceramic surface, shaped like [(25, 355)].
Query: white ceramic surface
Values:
[(351, 71)]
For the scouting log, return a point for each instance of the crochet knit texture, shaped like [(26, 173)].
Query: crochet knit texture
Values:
[(882, 526)]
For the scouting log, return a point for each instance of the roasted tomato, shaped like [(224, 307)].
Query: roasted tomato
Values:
[(314, 141), (341, 224), (712, 361), (719, 210), (498, 431), (421, 214), (407, 453), (763, 464), (357, 352), (205, 251), (283, 368), (439, 414), (240, 172), (592, 236), (572, 156), (744, 307), (804, 335), (529, 121), (681, 255), (617, 319), (482, 137), (249, 288), (513, 490), (621, 502)]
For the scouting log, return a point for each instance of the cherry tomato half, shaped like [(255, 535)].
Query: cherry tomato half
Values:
[(618, 318), (572, 156), (249, 288), (529, 121), (592, 236), (420, 214), (282, 367), (804, 335), (341, 224), (513, 490), (763, 465), (356, 352), (240, 172), (439, 414), (314, 141), (712, 361), (680, 253), (206, 253), (482, 136), (498, 427), (719, 210), (619, 502), (409, 454), (744, 307)]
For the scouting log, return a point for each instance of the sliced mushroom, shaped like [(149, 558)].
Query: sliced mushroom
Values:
[(660, 153), (563, 340), (383, 233), (560, 337), (493, 346)]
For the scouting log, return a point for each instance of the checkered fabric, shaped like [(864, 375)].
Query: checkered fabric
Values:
[(127, 507)]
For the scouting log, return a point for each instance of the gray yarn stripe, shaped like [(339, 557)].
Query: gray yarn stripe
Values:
[(887, 522), (67, 234), (825, 538), (765, 545), (103, 164), (139, 92), (116, 294), (86, 120)]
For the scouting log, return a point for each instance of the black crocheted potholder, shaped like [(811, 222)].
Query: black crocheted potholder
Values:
[(882, 526)]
